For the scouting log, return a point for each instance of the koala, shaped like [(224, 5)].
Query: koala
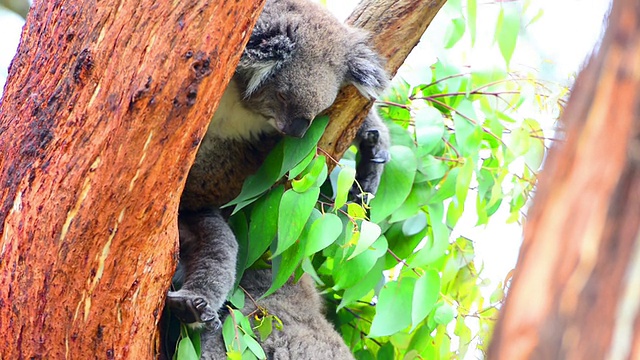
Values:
[(295, 61), (207, 268), (306, 333)]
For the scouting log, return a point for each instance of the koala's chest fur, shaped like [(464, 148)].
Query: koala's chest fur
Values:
[(234, 146), (232, 120)]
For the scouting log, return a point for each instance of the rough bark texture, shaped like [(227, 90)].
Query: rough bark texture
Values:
[(396, 27), (575, 290), (101, 117)]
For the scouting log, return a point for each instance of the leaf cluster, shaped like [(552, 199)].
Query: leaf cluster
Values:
[(399, 281)]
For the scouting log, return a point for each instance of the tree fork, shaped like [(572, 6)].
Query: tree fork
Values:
[(396, 27), (574, 293), (92, 169), (103, 111)]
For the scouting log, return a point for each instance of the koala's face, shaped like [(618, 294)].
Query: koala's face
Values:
[(294, 96), (297, 59)]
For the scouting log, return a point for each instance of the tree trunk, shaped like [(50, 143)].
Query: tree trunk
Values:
[(396, 27), (575, 290), (104, 107), (102, 113)]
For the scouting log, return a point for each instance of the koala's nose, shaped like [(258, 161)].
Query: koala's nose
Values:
[(297, 127)]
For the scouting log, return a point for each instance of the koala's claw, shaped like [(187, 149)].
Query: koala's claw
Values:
[(190, 308), (382, 157), (372, 150)]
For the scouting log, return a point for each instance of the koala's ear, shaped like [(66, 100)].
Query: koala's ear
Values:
[(270, 46), (365, 69)]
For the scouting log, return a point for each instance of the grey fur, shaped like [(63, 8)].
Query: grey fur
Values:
[(373, 142), (207, 247), (306, 333), (295, 62)]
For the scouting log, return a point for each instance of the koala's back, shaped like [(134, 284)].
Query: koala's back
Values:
[(306, 333)]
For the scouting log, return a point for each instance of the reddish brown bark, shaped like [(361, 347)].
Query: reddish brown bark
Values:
[(574, 293), (102, 113)]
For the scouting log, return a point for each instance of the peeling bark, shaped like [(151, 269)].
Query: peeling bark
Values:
[(575, 289), (102, 113)]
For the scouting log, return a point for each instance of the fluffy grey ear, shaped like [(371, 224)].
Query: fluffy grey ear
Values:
[(366, 69), (269, 47)]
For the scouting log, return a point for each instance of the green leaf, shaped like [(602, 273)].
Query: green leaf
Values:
[(443, 343), (295, 209), (262, 180), (416, 199), (386, 352), (296, 149), (346, 177), (464, 180), (465, 335), (414, 224), (468, 134), (311, 177), (425, 296), (286, 155), (454, 212), (369, 233), (395, 184), (229, 332), (302, 165), (283, 266), (508, 29), (443, 314), (432, 168), (238, 224), (422, 341), (352, 271), (446, 188), (186, 350), (265, 327), (429, 128), (254, 346), (264, 224), (308, 268), (472, 10), (454, 32), (324, 232), (393, 310), (364, 286), (438, 241), (534, 156), (356, 211), (237, 298)]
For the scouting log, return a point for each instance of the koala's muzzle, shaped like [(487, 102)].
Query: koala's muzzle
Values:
[(297, 127)]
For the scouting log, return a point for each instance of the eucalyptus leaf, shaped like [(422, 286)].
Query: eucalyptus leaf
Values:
[(395, 184), (293, 214), (394, 307)]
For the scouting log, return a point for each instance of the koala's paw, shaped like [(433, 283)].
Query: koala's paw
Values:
[(373, 150), (191, 308)]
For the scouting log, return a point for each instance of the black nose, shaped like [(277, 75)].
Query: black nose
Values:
[(297, 127)]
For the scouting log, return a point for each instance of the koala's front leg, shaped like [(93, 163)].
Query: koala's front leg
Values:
[(373, 145), (208, 251)]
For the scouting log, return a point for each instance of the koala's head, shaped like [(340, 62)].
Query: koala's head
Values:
[(297, 59)]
